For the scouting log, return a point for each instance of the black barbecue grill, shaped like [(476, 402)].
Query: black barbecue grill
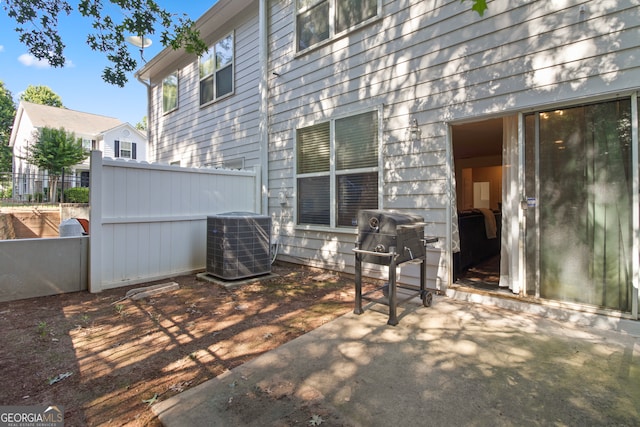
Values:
[(387, 237)]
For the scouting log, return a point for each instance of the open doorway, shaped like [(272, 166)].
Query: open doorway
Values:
[(477, 156)]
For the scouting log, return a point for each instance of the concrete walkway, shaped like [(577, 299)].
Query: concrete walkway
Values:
[(456, 363)]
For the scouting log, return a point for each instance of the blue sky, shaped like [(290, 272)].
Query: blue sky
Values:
[(79, 83)]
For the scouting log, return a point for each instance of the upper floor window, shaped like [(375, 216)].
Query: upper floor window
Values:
[(318, 20), (216, 70), (125, 149), (337, 170), (170, 92)]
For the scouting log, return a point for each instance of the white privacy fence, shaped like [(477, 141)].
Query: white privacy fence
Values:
[(148, 221)]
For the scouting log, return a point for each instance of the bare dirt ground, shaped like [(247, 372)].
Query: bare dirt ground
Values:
[(106, 359)]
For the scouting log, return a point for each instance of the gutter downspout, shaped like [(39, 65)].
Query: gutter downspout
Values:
[(149, 145), (263, 109)]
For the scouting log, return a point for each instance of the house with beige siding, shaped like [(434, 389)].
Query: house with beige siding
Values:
[(515, 134)]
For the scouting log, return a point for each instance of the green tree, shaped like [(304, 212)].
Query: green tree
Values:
[(7, 115), (142, 125), (38, 29), (6, 158), (56, 151), (43, 95)]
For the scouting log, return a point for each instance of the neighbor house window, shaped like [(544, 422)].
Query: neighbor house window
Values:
[(89, 144), (125, 149), (337, 170), (170, 92), (216, 71), (318, 20)]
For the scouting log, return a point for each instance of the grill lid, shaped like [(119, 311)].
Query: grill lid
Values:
[(386, 221)]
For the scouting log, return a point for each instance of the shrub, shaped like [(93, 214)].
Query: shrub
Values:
[(76, 195)]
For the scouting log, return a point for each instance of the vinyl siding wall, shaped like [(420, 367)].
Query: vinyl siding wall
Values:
[(437, 62), (226, 129)]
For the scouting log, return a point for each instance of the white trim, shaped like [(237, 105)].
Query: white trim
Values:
[(214, 72), (520, 287), (177, 74), (263, 87), (333, 36), (331, 119), (448, 250), (635, 209)]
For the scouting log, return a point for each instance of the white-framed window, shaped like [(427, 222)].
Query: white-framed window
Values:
[(337, 167), (125, 149), (89, 144), (216, 70), (318, 20), (170, 92)]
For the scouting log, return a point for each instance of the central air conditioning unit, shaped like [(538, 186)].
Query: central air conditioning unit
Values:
[(238, 245)]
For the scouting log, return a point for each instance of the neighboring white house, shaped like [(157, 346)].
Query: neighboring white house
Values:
[(411, 104), (111, 136)]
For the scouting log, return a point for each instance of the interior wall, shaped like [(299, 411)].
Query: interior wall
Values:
[(478, 169), (493, 175)]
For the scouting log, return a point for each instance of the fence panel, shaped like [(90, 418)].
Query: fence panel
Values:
[(39, 267), (148, 222)]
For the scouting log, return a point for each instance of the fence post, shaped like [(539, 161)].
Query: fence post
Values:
[(95, 222)]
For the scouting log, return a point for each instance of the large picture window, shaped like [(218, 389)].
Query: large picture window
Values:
[(337, 170), (170, 92), (318, 20), (216, 71)]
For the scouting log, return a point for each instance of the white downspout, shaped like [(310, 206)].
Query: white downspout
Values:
[(263, 109), (149, 147)]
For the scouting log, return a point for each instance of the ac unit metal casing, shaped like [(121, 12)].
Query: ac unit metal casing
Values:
[(238, 245)]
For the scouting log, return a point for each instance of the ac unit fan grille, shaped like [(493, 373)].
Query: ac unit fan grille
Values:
[(238, 245)]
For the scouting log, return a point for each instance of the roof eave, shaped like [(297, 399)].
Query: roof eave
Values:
[(216, 16)]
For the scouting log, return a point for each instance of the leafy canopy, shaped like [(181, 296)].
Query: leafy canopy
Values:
[(43, 95), (56, 150), (7, 115), (38, 26), (38, 23)]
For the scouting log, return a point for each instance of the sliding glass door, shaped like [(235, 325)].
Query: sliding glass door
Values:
[(578, 183)]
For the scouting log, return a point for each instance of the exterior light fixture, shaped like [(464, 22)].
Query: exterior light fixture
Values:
[(413, 131)]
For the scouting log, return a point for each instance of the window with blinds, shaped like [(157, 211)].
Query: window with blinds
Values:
[(337, 170)]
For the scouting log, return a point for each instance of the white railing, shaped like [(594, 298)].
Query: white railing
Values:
[(148, 221)]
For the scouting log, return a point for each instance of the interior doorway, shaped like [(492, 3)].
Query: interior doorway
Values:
[(478, 163)]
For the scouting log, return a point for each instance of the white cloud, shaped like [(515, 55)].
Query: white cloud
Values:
[(1, 48), (29, 60)]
